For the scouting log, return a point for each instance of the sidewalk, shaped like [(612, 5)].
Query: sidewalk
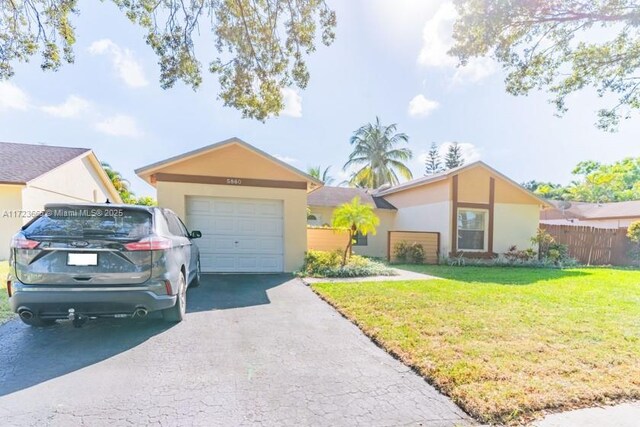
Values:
[(401, 275), (623, 415)]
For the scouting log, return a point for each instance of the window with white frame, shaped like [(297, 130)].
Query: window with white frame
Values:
[(471, 229)]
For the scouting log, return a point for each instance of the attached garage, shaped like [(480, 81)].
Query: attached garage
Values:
[(238, 235), (250, 207)]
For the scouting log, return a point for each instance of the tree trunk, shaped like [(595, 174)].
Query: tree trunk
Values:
[(347, 251)]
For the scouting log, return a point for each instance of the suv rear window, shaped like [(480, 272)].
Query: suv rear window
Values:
[(91, 222)]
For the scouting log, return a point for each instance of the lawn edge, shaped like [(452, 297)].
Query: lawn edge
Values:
[(476, 418), (523, 418)]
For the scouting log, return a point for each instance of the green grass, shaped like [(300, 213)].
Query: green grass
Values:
[(5, 312), (508, 343)]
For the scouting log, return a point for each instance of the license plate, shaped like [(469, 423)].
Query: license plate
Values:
[(82, 259)]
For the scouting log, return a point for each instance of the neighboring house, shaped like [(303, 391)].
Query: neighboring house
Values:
[(599, 215), (474, 208), (252, 208), (33, 175)]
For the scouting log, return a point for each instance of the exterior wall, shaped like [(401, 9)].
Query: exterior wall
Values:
[(75, 182), (433, 193), (515, 224), (173, 195), (232, 161), (10, 222), (376, 244)]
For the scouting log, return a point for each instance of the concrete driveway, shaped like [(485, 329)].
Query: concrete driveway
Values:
[(254, 350)]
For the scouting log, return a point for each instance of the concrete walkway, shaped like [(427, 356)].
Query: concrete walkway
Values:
[(401, 275), (623, 415)]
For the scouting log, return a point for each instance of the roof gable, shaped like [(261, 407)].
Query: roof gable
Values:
[(428, 180), (230, 158), (21, 163)]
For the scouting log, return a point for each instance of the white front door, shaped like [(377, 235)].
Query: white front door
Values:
[(238, 235)]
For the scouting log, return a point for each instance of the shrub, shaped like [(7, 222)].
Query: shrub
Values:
[(329, 264), (633, 233), (412, 253), (513, 255), (550, 251)]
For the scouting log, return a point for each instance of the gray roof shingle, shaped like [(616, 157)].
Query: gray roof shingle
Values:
[(20, 163), (335, 196), (583, 210)]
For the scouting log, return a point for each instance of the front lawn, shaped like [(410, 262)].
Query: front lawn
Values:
[(508, 343), (4, 303)]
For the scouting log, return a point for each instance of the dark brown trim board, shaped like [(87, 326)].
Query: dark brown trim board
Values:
[(231, 181), (492, 198), (454, 214)]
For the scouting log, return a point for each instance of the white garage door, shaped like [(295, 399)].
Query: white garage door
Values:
[(238, 235)]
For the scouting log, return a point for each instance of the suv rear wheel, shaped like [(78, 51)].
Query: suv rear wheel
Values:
[(37, 322), (177, 312)]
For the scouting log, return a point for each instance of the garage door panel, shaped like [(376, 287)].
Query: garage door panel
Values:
[(239, 235)]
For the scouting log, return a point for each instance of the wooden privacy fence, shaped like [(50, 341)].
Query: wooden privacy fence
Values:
[(430, 241), (593, 246), (327, 239)]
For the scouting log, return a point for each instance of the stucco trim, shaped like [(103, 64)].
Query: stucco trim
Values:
[(236, 182)]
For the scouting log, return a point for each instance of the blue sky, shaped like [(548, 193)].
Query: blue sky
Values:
[(388, 60)]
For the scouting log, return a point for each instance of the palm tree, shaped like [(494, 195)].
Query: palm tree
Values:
[(375, 153), (318, 173), (120, 184), (356, 218)]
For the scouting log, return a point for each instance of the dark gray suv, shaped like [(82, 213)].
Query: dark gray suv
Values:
[(103, 260)]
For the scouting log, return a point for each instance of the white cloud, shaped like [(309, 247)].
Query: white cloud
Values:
[(420, 106), (292, 102), (125, 64), (72, 107), (437, 39), (286, 159), (476, 69), (119, 125), (12, 97)]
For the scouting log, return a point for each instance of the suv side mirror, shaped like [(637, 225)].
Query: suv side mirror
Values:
[(195, 234)]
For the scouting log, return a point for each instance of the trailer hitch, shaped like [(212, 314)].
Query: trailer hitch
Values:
[(77, 319)]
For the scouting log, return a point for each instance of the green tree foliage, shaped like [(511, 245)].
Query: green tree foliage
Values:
[(122, 187), (261, 44), (548, 190), (561, 46), (596, 183), (321, 174), (356, 218), (433, 162), (453, 158), (616, 182), (375, 152)]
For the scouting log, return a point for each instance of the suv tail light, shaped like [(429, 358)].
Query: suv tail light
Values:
[(149, 244), (20, 242), (9, 288)]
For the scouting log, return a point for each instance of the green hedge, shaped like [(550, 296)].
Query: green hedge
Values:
[(328, 264)]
